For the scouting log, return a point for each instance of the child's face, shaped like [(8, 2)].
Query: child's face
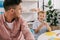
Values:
[(41, 16)]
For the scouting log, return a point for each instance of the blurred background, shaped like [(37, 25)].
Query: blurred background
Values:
[(51, 7)]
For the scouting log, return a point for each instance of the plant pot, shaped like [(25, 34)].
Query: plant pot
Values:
[(55, 28)]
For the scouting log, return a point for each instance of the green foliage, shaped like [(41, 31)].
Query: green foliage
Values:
[(51, 14)]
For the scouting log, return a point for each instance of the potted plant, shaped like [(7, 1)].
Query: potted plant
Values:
[(51, 14)]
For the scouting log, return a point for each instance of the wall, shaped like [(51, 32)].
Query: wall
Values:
[(57, 4), (26, 7)]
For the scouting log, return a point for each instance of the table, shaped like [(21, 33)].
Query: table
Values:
[(50, 35)]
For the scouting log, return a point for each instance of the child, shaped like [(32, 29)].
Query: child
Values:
[(40, 26)]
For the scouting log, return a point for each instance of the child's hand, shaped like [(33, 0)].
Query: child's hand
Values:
[(45, 23), (39, 27)]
